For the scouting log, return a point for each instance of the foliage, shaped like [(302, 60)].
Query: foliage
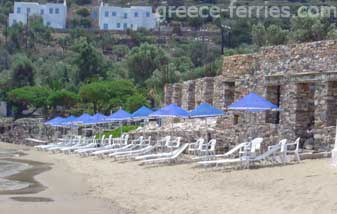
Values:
[(135, 102), (89, 61), (84, 12), (117, 131), (63, 98), (27, 97), (107, 95), (144, 60), (272, 35), (306, 29), (22, 71)]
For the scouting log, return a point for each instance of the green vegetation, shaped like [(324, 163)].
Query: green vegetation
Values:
[(85, 71), (117, 132)]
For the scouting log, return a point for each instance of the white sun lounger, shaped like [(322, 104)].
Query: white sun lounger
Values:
[(194, 148), (143, 150), (173, 156), (246, 159), (61, 142), (68, 144), (87, 151), (123, 148)]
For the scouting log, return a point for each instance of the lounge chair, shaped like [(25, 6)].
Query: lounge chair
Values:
[(194, 148), (208, 149), (127, 147), (130, 153), (72, 142), (167, 157), (106, 144), (288, 151), (250, 158), (174, 144), (60, 142), (95, 143)]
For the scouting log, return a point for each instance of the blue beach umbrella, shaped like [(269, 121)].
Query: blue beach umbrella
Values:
[(54, 120), (171, 110), (82, 119), (253, 103), (142, 113), (206, 110), (95, 119), (67, 122), (119, 115)]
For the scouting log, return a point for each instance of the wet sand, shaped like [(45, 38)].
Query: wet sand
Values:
[(64, 189), (27, 175)]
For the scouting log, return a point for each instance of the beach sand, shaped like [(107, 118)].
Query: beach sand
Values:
[(67, 191), (308, 187)]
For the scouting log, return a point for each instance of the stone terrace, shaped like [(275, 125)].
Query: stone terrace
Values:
[(301, 79)]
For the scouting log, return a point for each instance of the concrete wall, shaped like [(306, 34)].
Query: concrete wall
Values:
[(122, 18), (53, 15)]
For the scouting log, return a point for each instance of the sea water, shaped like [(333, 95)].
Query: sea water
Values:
[(10, 167)]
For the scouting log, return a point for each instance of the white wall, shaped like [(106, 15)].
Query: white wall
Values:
[(53, 15), (118, 18)]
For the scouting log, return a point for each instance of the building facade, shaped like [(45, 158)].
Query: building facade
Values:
[(119, 18), (53, 15), (301, 79)]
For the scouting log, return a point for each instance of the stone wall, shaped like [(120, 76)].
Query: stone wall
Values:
[(305, 76), (17, 131)]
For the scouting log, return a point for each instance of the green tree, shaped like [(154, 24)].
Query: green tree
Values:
[(107, 95), (28, 97), (259, 35), (38, 33), (144, 60), (96, 93), (22, 71), (135, 102), (275, 35), (307, 28), (62, 98), (84, 12), (90, 62)]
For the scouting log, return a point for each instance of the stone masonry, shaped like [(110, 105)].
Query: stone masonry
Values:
[(300, 78)]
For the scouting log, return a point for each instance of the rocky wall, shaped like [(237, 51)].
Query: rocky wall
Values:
[(288, 68)]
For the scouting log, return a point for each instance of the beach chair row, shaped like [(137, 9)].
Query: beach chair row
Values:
[(171, 150)]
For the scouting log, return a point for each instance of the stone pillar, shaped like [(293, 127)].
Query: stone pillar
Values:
[(184, 94), (229, 93), (288, 104), (208, 90), (177, 94), (322, 112), (191, 95), (168, 90), (199, 91), (219, 92)]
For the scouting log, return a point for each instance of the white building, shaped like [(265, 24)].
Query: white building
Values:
[(53, 15), (122, 18)]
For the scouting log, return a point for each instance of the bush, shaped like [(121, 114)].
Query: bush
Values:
[(84, 12), (117, 132)]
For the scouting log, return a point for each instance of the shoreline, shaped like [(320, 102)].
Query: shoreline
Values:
[(27, 175), (65, 190), (105, 186)]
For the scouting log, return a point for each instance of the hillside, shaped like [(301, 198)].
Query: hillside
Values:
[(71, 70)]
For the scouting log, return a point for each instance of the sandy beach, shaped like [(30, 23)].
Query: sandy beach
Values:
[(90, 185)]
